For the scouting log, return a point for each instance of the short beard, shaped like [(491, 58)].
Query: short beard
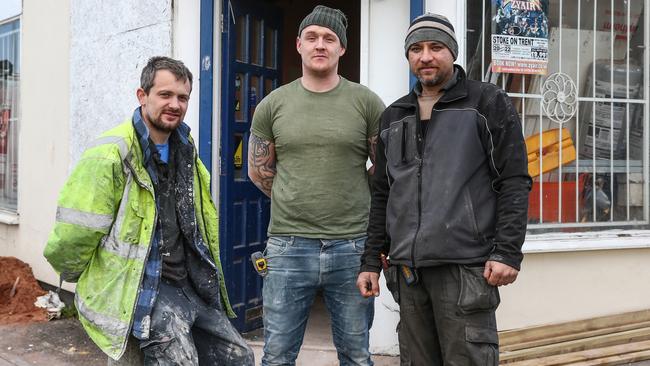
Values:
[(158, 125), (436, 80), (431, 82)]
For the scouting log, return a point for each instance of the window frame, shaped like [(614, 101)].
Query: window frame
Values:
[(11, 216), (558, 241)]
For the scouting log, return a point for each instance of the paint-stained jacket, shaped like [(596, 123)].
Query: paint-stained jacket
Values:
[(459, 193), (105, 224)]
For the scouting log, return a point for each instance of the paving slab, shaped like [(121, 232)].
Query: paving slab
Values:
[(61, 342)]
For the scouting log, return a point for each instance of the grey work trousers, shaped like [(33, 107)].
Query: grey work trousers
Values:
[(448, 318), (185, 331)]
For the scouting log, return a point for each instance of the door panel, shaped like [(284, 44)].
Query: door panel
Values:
[(251, 33)]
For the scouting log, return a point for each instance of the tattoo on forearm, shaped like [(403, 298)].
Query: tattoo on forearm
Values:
[(372, 148), (372, 151), (261, 163)]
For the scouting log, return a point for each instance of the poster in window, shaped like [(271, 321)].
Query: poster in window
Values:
[(520, 36)]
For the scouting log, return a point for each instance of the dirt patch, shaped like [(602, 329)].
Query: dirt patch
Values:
[(17, 299)]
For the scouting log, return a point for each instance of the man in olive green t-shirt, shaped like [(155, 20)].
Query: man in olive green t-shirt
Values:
[(308, 149)]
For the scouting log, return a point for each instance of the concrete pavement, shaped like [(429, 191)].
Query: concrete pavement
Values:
[(64, 343)]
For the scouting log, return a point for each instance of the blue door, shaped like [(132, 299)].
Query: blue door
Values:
[(251, 36)]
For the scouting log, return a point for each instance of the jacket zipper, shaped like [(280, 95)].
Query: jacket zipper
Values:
[(417, 228), (420, 148), (153, 231)]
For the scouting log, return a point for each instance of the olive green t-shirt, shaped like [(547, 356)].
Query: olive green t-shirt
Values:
[(321, 143)]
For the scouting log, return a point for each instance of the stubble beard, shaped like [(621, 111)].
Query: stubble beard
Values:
[(430, 82), (159, 125), (435, 80)]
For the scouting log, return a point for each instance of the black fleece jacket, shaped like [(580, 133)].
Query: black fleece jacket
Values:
[(458, 194)]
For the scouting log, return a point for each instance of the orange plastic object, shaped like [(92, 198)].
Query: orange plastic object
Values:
[(547, 149), (551, 198)]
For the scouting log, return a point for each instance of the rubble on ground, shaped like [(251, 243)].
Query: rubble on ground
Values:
[(18, 292)]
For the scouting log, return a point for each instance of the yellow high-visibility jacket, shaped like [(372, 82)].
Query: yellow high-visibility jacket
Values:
[(105, 224)]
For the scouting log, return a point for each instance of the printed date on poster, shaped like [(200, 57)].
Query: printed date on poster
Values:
[(518, 54)]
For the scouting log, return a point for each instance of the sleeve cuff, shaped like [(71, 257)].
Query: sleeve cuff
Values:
[(501, 258), (367, 267)]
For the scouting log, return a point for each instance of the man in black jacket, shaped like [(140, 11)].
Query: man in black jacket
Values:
[(449, 204)]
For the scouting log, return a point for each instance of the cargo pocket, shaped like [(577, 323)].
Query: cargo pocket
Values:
[(400, 141), (475, 293), (482, 345), (132, 224), (130, 214)]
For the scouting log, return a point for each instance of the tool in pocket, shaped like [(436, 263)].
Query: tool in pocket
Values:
[(410, 275), (259, 263)]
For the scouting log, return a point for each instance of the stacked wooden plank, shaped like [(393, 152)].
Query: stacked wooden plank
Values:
[(610, 340)]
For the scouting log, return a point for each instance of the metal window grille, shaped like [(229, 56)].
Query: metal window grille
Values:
[(9, 113), (594, 98)]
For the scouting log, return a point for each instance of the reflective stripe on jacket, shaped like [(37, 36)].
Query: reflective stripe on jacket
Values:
[(104, 227)]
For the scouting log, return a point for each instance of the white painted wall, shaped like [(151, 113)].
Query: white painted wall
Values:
[(187, 48), (186, 32), (111, 42), (388, 76), (566, 286), (44, 134)]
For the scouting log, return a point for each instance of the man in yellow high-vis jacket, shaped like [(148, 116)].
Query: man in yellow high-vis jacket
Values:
[(137, 230)]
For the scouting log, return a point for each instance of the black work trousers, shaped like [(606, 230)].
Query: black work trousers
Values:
[(185, 331), (448, 318)]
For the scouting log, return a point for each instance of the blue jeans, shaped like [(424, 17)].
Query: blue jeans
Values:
[(297, 269)]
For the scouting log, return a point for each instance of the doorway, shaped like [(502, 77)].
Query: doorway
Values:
[(258, 55)]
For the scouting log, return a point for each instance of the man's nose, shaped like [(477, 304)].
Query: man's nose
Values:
[(427, 55), (174, 103), (320, 43)]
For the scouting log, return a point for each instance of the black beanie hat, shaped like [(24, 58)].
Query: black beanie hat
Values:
[(431, 27), (333, 19)]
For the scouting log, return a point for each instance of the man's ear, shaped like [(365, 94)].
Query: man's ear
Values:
[(298, 44), (341, 51), (141, 95)]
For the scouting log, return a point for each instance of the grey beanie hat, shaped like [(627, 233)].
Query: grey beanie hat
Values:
[(431, 27), (333, 19)]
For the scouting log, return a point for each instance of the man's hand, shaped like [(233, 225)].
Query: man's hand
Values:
[(497, 273), (368, 284)]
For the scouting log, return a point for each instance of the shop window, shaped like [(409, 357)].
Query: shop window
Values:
[(9, 112), (575, 72)]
